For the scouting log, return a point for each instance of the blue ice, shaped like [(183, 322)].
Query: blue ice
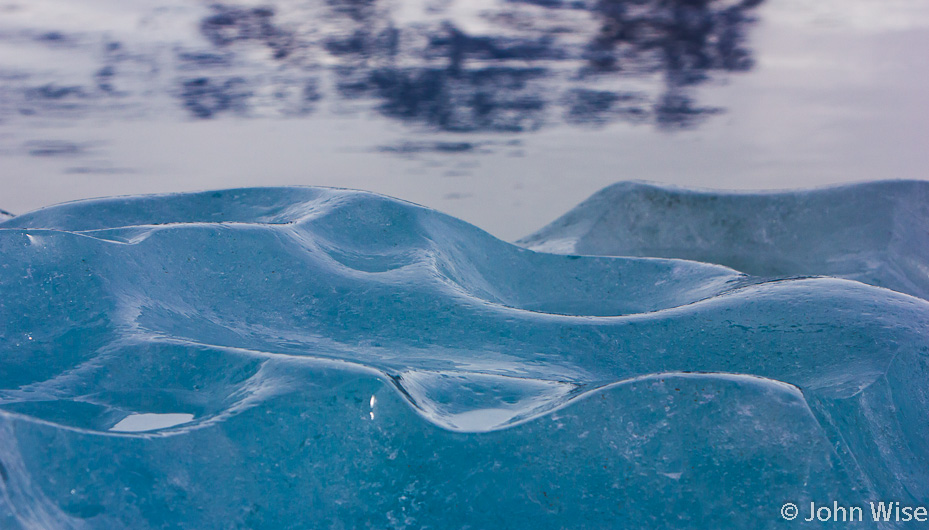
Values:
[(323, 358)]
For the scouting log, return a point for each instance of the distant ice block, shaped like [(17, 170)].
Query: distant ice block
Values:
[(875, 232), (317, 358)]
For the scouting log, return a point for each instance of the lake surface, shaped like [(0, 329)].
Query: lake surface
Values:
[(505, 113)]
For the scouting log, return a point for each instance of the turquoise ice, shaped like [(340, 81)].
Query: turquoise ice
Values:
[(322, 358)]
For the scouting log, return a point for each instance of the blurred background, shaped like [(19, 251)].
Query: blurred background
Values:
[(505, 113)]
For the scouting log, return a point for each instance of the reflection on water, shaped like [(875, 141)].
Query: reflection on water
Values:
[(505, 113), (533, 59), (507, 66)]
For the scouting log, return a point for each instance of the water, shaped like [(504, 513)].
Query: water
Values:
[(503, 113)]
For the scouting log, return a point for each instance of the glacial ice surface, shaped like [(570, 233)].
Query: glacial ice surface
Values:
[(320, 358), (872, 232)]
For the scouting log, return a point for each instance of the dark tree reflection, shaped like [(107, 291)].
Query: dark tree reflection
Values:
[(532, 62), (231, 24)]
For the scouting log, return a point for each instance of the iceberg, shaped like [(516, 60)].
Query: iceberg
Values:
[(872, 232), (326, 358)]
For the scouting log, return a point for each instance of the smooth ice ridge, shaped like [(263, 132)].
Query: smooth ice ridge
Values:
[(290, 357), (873, 232)]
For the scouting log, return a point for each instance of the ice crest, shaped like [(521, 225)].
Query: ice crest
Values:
[(872, 232)]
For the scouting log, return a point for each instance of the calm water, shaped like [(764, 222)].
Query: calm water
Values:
[(505, 113)]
